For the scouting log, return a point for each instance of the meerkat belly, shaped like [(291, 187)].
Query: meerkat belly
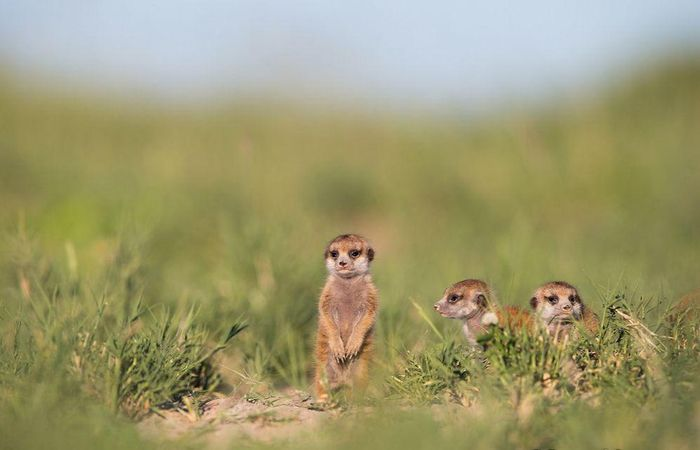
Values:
[(347, 311)]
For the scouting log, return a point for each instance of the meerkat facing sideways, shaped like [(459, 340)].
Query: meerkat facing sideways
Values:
[(472, 302), (347, 312), (558, 305)]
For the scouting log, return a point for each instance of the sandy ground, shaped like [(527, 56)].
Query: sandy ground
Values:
[(260, 418), (270, 417)]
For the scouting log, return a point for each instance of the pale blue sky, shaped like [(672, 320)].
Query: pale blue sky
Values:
[(416, 52)]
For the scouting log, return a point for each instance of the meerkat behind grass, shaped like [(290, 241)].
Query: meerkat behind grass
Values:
[(686, 313), (472, 302), (558, 306), (347, 312)]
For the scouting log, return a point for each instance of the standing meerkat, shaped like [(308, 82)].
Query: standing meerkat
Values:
[(558, 305), (471, 301), (347, 312)]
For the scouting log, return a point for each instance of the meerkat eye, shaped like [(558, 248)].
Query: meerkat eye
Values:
[(334, 254), (553, 300), (355, 253), (572, 298), (453, 298)]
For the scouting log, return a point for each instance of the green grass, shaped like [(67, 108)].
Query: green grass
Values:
[(151, 258)]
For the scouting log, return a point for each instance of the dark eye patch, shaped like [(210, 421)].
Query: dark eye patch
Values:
[(454, 298), (354, 253), (334, 253), (553, 299)]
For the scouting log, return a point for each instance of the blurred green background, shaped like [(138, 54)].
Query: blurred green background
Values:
[(592, 191)]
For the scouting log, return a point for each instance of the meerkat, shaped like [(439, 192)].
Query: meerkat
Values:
[(686, 313), (347, 312), (471, 301), (558, 305)]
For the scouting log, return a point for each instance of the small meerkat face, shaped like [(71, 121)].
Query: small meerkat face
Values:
[(557, 304), (348, 255), (463, 300)]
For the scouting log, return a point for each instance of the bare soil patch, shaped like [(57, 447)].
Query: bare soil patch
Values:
[(255, 418)]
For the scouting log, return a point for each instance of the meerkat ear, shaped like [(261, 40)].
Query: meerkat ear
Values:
[(370, 253), (533, 302), (481, 300)]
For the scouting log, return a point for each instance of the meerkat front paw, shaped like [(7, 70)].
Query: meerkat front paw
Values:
[(353, 347), (337, 350)]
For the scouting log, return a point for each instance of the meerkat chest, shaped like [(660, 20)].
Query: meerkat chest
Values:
[(348, 304)]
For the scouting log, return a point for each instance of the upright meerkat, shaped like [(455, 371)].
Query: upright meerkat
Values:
[(347, 311), (471, 301), (558, 305)]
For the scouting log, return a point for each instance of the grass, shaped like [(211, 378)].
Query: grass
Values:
[(151, 259), (99, 336)]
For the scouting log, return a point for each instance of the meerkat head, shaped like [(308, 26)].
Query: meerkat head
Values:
[(464, 300), (557, 304), (348, 255)]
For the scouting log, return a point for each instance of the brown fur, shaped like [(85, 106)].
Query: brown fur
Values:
[(590, 320), (514, 317), (347, 312), (686, 311)]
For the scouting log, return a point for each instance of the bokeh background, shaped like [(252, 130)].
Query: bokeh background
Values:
[(512, 142), (220, 145)]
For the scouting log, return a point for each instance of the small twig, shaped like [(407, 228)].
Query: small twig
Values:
[(425, 317)]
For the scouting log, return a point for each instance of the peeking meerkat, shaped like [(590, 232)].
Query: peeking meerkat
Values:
[(471, 301), (558, 305), (347, 311), (686, 313)]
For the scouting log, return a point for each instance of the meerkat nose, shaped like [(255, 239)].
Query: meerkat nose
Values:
[(342, 263), (435, 306), (566, 307)]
